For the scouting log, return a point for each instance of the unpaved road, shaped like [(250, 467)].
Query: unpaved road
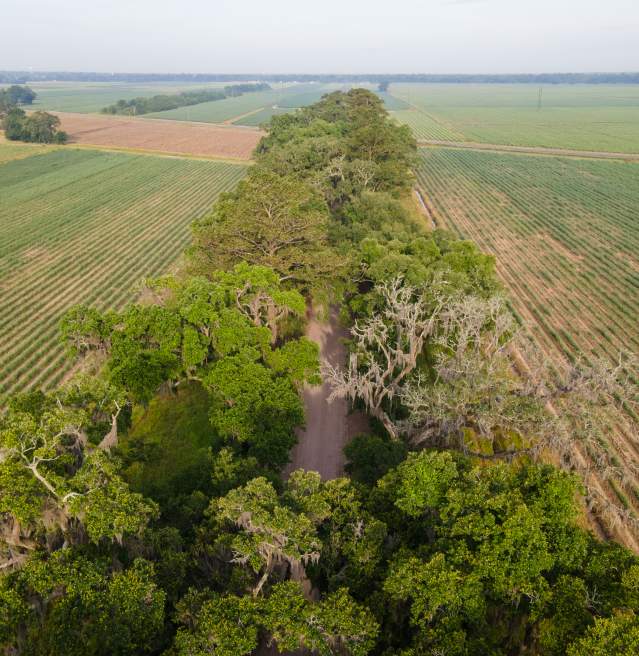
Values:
[(530, 150), (329, 426)]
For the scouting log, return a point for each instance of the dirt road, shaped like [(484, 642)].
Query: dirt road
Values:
[(530, 150), (328, 425)]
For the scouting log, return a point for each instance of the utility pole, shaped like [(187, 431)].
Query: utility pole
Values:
[(539, 98)]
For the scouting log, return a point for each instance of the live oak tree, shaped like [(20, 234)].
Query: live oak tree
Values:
[(343, 145), (59, 484), (70, 604), (501, 562), (230, 625), (268, 220), (222, 332), (271, 537)]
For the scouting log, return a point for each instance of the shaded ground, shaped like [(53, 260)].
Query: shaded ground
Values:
[(175, 137), (328, 425)]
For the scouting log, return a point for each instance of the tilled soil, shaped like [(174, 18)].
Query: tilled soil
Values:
[(156, 135)]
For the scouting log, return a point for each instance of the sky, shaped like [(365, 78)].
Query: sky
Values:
[(321, 36)]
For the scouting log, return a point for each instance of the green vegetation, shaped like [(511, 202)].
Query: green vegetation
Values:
[(583, 117), (90, 97), (81, 225), (12, 150), (261, 116), (144, 507), (161, 103), (564, 232), (16, 95), (38, 127), (290, 97)]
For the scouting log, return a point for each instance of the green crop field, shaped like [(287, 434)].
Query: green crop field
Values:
[(426, 126), (90, 97), (84, 226), (584, 117), (565, 233), (219, 111), (10, 150), (262, 116)]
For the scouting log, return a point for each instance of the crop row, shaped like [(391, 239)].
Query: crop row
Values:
[(85, 227), (562, 229), (566, 246)]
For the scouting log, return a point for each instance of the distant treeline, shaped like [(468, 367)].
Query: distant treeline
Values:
[(164, 102), (19, 77)]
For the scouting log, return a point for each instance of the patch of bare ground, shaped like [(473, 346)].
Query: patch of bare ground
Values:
[(559, 248), (154, 135), (629, 260)]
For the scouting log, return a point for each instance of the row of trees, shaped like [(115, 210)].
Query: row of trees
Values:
[(446, 537), (164, 102)]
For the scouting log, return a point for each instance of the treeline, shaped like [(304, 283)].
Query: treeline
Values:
[(164, 102), (144, 508), (20, 77)]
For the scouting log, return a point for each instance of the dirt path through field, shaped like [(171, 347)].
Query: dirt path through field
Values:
[(230, 121), (530, 150), (329, 426)]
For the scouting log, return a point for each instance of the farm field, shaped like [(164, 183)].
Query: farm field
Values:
[(83, 226), (178, 137), (90, 97), (10, 150), (218, 111), (582, 117), (257, 118), (565, 233)]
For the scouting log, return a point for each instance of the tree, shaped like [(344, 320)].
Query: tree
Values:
[(70, 604), (230, 625), (58, 481), (42, 127), (13, 123), (271, 221), (612, 635), (39, 127), (18, 95), (225, 626), (386, 350), (481, 547), (272, 536), (343, 145)]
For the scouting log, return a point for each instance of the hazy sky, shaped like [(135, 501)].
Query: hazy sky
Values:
[(341, 36)]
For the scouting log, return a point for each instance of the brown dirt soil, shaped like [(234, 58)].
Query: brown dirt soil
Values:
[(329, 426), (174, 137)]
